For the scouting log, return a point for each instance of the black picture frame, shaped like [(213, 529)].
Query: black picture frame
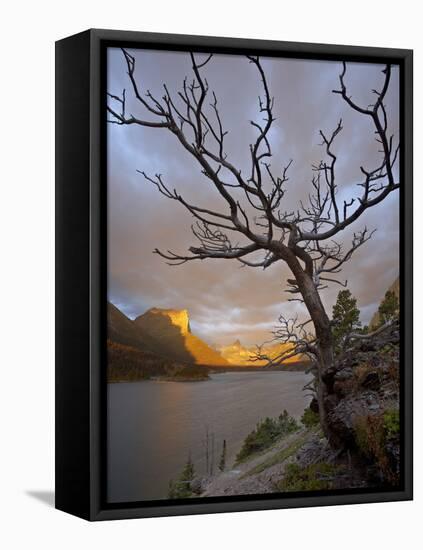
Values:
[(81, 274)]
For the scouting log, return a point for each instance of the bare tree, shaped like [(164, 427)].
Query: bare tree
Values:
[(303, 239)]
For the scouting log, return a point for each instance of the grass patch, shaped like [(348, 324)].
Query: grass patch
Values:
[(391, 420), (316, 477), (265, 434), (278, 457)]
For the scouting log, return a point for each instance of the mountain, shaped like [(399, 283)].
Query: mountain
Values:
[(124, 331), (163, 332), (395, 288), (166, 333), (172, 330), (237, 354)]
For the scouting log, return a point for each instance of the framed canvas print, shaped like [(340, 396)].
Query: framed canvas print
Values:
[(234, 275)]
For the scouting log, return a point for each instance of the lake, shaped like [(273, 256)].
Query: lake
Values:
[(154, 426)]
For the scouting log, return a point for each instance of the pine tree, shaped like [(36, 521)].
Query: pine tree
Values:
[(181, 488), (188, 472), (389, 308), (222, 461), (346, 317)]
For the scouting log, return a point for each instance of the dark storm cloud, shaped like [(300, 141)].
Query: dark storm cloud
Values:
[(225, 301)]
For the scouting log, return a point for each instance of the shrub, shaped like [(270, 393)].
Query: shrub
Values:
[(393, 373), (361, 371), (266, 433), (372, 433), (310, 418), (369, 434), (315, 477), (392, 423)]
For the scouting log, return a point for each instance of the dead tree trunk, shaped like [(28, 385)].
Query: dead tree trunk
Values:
[(323, 332)]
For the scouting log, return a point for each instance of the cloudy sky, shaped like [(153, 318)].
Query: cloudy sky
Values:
[(225, 301)]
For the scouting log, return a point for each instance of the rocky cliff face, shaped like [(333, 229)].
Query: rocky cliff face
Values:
[(177, 317), (363, 403)]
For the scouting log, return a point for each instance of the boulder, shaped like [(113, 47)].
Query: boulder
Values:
[(198, 485), (371, 380)]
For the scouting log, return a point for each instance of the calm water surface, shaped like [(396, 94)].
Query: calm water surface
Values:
[(154, 426)]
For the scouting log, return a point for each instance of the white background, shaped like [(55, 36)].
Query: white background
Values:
[(28, 32)]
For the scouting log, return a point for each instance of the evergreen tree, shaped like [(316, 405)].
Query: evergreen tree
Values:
[(346, 317), (222, 462), (188, 471), (181, 488), (389, 308)]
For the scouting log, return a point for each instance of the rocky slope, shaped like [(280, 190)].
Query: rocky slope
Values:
[(363, 406), (363, 402), (300, 461)]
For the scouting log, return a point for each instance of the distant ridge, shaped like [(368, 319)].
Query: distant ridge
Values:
[(237, 354)]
